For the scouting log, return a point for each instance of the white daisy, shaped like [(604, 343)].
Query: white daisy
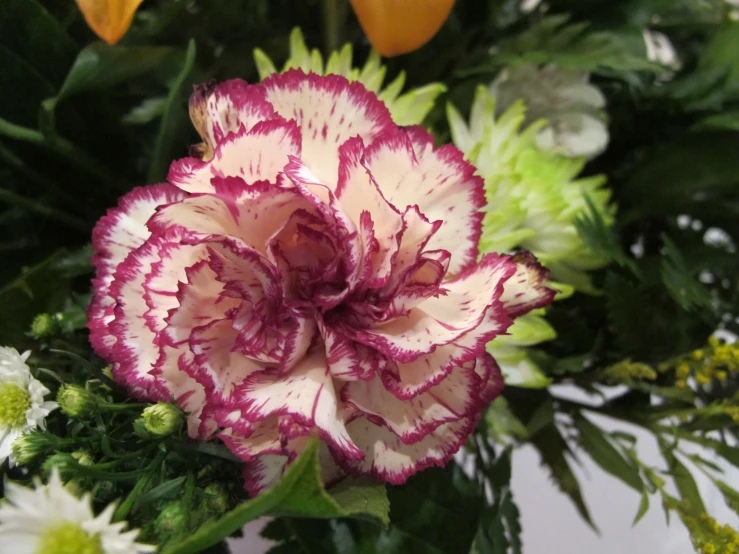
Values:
[(51, 520), (22, 405)]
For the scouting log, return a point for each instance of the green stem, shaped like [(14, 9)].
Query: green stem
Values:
[(331, 24), (120, 407), (61, 147), (17, 163), (127, 504), (189, 492), (43, 210)]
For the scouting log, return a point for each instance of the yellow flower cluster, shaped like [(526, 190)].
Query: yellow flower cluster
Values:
[(709, 537), (626, 371), (713, 363)]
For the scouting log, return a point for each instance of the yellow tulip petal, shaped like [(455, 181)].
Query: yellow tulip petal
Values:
[(109, 19), (396, 27)]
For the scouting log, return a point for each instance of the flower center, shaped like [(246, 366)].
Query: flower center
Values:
[(68, 538), (14, 401)]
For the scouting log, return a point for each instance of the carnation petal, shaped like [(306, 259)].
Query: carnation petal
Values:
[(200, 299), (439, 181), (406, 380), (454, 398), (388, 458), (218, 110), (329, 110), (307, 394), (186, 391), (134, 351), (219, 368), (358, 194), (525, 290), (254, 155), (459, 308), (120, 231)]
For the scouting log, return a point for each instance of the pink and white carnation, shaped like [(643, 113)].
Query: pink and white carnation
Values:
[(312, 270)]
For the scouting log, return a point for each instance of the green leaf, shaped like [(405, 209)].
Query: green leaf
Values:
[(721, 50), (100, 66), (679, 280), (437, 508), (600, 238), (299, 493), (30, 32), (643, 507), (603, 453), (175, 114), (683, 479), (731, 495), (552, 447), (681, 172), (22, 88), (38, 289), (573, 46), (363, 496), (162, 491)]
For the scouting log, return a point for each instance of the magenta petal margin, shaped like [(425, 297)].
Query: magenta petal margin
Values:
[(313, 272)]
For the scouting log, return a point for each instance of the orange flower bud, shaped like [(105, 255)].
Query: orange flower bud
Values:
[(109, 19), (399, 26)]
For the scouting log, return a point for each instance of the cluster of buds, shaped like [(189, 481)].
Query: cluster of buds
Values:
[(627, 371), (713, 363)]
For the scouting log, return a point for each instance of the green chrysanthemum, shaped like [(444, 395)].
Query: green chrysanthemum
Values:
[(534, 199), (407, 109)]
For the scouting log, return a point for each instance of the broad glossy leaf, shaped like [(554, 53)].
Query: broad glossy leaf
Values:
[(362, 496), (439, 508), (299, 493)]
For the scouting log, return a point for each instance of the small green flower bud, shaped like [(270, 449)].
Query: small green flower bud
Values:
[(76, 401), (172, 521), (139, 427), (83, 457), (27, 448), (45, 325), (215, 500), (162, 419)]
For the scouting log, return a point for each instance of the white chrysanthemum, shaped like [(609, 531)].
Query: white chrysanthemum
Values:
[(22, 404), (573, 108), (51, 520)]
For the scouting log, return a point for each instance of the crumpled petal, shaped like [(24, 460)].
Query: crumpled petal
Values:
[(312, 272)]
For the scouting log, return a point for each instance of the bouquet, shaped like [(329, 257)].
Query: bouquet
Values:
[(331, 263)]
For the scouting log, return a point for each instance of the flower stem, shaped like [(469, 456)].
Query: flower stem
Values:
[(119, 407), (42, 209), (60, 146), (331, 24), (127, 504)]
